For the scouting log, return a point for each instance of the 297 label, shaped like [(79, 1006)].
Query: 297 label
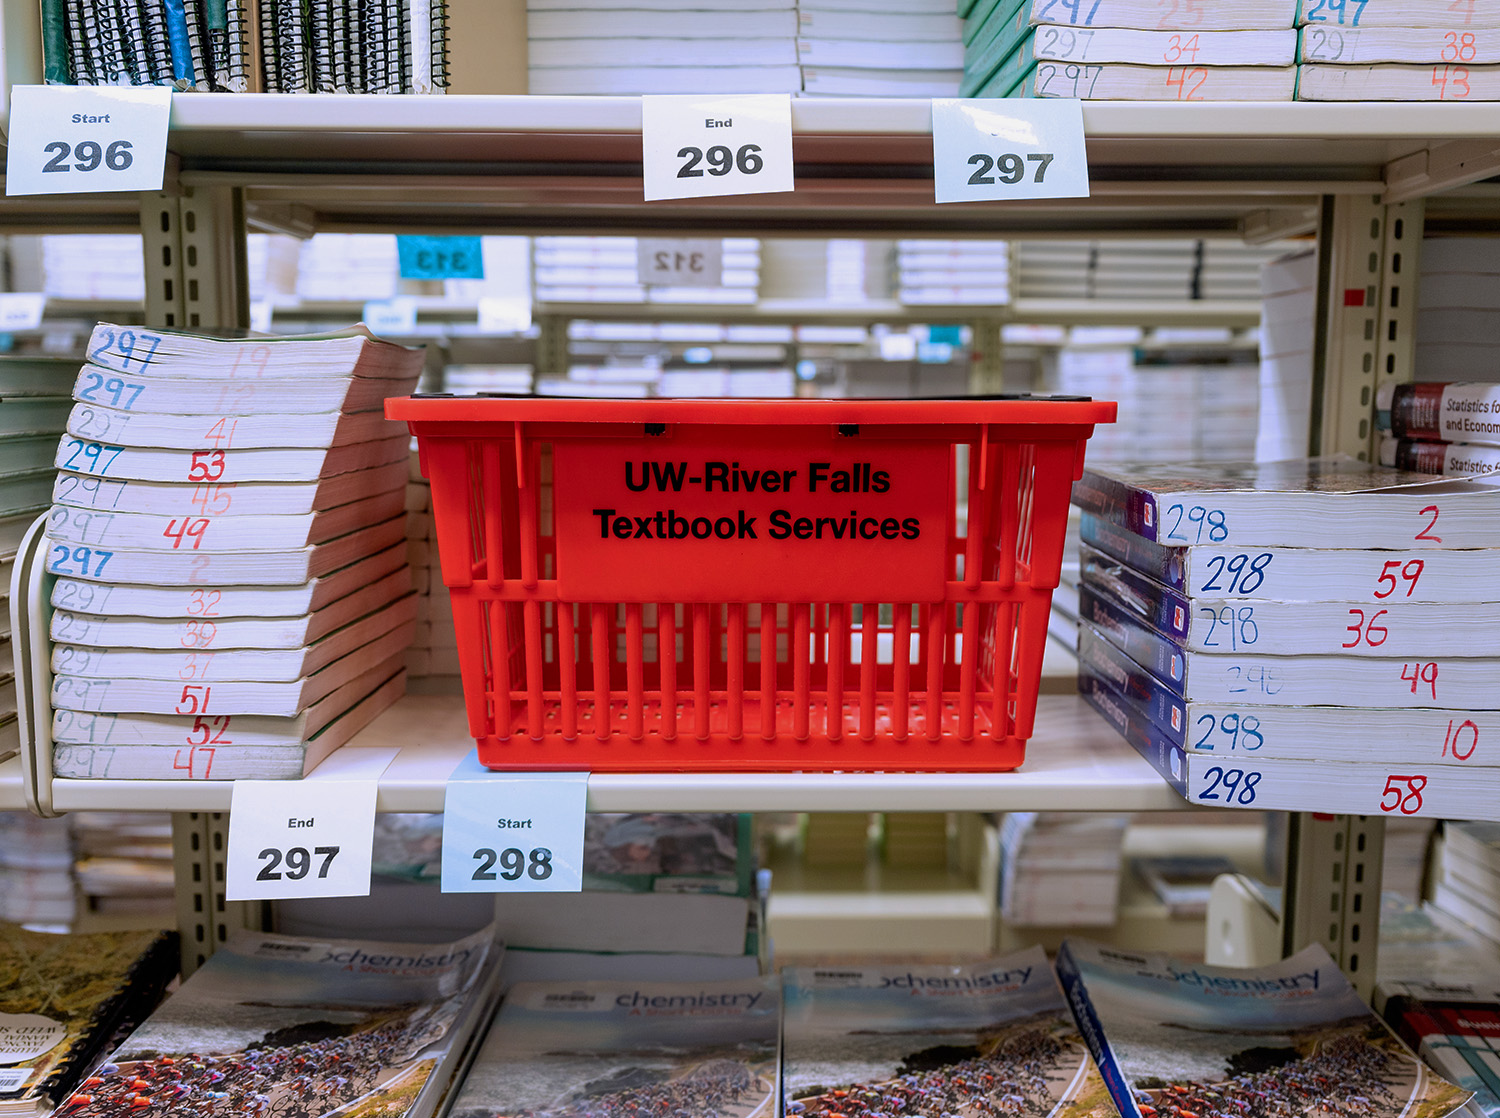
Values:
[(1025, 149)]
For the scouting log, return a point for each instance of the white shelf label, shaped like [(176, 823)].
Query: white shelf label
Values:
[(21, 310), (676, 262), (397, 315), (305, 838), (986, 150), (74, 139), (512, 832), (708, 147)]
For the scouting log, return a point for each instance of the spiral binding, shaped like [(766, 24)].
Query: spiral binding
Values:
[(130, 32), (112, 69), (197, 25), (269, 67), (440, 66), (372, 28), (80, 53), (236, 78), (402, 71), (295, 76), (319, 42), (354, 45)]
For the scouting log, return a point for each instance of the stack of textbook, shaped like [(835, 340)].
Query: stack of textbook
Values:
[(1308, 635), (1440, 428), (1130, 50), (1468, 878), (662, 46), (232, 596), (1406, 50), (1060, 868), (953, 273), (879, 48)]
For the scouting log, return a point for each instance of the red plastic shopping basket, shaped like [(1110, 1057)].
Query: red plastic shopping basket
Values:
[(696, 585)]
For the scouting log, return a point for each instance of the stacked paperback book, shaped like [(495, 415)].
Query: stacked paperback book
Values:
[(879, 48), (1307, 635), (953, 273), (1402, 51), (1130, 50), (36, 871), (384, 46), (662, 46), (228, 533), (1458, 308), (1468, 876), (1060, 869)]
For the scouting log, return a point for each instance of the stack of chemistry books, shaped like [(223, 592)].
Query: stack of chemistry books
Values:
[(879, 48), (1289, 1038), (1398, 50), (227, 530), (1449, 428), (616, 1049), (1130, 50), (282, 1025), (1316, 634), (662, 46), (988, 1038)]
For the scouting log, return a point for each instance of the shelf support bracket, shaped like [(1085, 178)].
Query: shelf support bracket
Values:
[(1332, 891), (196, 270), (204, 918), (1366, 309)]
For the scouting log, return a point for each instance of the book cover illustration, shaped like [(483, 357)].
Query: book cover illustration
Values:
[(286, 1027), (1182, 1040), (62, 995), (627, 1050), (982, 1040)]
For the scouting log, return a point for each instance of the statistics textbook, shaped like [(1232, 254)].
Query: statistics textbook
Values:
[(1173, 1038)]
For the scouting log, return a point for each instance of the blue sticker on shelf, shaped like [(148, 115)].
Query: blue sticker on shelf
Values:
[(436, 258)]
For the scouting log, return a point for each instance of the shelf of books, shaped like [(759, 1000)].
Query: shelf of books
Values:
[(1075, 763)]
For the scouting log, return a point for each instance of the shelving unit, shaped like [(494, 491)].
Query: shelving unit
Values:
[(1359, 176)]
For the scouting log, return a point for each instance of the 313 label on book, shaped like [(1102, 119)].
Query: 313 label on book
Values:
[(436, 258), (707, 147), (679, 262), (86, 139), (986, 150), (512, 832), (305, 838)]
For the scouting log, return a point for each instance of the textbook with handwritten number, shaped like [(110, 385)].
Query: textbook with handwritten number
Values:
[(1331, 502)]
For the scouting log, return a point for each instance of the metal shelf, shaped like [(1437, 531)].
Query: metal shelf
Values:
[(1075, 763), (12, 794)]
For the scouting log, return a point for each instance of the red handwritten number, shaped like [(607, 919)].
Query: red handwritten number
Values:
[(1179, 76), (1459, 47), (1426, 533), (1421, 673), (192, 758), (1181, 46), (212, 730), (1411, 571), (1464, 6), (1410, 802), (191, 702), (206, 465), (1451, 738), (1452, 82), (1365, 631)]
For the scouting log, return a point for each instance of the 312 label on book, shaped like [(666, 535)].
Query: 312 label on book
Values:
[(709, 147), (986, 150), (512, 832), (86, 139), (679, 262), (305, 838)]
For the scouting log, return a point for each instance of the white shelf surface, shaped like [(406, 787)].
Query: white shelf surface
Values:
[(12, 798), (1075, 762)]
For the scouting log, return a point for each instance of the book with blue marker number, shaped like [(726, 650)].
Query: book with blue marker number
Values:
[(1175, 1039), (1329, 502)]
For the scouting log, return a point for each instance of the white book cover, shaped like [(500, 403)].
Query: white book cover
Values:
[(1167, 15), (1399, 13), (592, 1049), (1289, 1038), (112, 495), (723, 26), (357, 352), (221, 568), (214, 602), (1334, 501), (637, 80), (660, 5), (1121, 82), (865, 55), (238, 395), (929, 1040), (230, 632), (98, 746), (283, 700), (1395, 82), (1350, 46), (228, 432), (1165, 48), (843, 82), (890, 27), (218, 466), (395, 621), (1381, 734), (543, 53), (341, 1026)]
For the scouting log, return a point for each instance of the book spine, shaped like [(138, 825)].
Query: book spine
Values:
[(1415, 411), (1117, 503), (1167, 565), (1163, 658), (1166, 611), (1092, 1031), (1147, 694), (1144, 737), (170, 762), (216, 31), (56, 56)]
